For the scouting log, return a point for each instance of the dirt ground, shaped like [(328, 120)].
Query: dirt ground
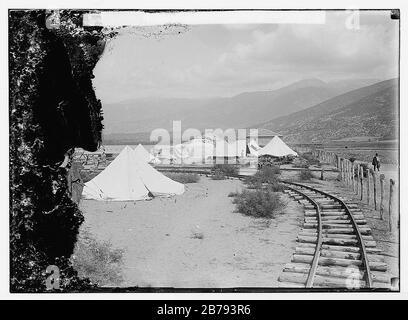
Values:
[(196, 239)]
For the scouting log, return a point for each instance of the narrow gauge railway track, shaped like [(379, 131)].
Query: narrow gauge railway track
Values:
[(335, 248)]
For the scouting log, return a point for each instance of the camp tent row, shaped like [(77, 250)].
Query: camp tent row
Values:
[(204, 149), (129, 177)]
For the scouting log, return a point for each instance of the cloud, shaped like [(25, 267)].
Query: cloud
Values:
[(328, 48), (229, 59), (301, 51)]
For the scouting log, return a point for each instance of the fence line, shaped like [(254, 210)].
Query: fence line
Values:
[(363, 181)]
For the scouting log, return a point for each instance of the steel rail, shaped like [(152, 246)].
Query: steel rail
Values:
[(368, 277), (315, 262)]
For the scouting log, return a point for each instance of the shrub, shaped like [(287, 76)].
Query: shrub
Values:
[(287, 160), (305, 174), (232, 194), (97, 261), (183, 177), (261, 203), (226, 169), (218, 175), (266, 177), (266, 161), (310, 159), (268, 173)]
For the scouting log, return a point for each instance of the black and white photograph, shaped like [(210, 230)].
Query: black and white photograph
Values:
[(204, 151)]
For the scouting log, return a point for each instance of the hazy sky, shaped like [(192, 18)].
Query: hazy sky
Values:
[(223, 60)]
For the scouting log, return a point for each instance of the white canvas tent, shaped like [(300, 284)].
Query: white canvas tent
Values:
[(156, 182), (128, 178), (277, 148), (253, 148), (180, 153), (143, 154), (231, 149), (198, 150), (164, 154)]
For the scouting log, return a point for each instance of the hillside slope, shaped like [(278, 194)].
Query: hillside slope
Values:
[(240, 111), (369, 111)]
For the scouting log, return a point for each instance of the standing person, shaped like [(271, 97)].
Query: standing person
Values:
[(376, 162)]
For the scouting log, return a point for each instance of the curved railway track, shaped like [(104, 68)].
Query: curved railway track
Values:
[(335, 248)]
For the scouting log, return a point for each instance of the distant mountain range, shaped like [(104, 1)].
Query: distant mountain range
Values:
[(240, 111), (368, 111)]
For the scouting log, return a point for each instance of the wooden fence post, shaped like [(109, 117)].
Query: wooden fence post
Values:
[(344, 171), (352, 176), (347, 171), (375, 189), (368, 186), (382, 177), (358, 178), (338, 162), (361, 181), (322, 174), (391, 206), (343, 168)]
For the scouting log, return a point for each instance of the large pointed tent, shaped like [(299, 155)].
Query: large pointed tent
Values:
[(143, 154), (119, 181), (156, 182), (129, 178), (277, 148)]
